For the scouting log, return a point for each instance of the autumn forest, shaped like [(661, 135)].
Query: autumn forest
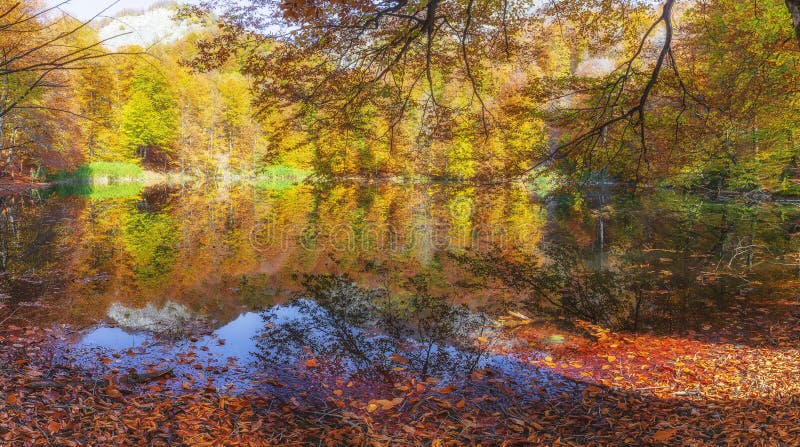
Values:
[(400, 222)]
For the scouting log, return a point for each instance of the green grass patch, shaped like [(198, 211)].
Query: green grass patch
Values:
[(104, 170), (280, 177), (99, 192), (789, 190)]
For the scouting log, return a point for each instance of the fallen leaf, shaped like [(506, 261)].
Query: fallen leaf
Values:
[(399, 359), (53, 427), (387, 404), (664, 435)]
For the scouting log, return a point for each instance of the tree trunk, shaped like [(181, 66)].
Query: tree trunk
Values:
[(794, 9)]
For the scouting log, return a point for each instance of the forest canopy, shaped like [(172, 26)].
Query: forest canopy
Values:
[(640, 90), (699, 93)]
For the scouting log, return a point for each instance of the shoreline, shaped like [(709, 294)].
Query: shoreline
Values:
[(11, 186)]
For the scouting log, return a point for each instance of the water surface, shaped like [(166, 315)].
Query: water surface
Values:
[(371, 281)]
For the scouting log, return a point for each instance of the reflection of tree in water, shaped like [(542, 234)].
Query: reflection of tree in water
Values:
[(151, 234), (669, 265), (634, 296), (29, 229), (562, 284), (150, 239), (157, 198), (372, 335)]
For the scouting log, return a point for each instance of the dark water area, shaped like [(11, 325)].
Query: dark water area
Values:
[(239, 285)]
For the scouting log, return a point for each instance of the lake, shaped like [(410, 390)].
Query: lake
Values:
[(240, 285)]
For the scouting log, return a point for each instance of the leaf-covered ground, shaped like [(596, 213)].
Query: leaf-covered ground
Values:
[(735, 386)]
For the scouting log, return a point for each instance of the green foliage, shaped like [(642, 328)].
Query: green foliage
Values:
[(150, 239), (99, 192), (280, 177), (740, 67), (150, 117)]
